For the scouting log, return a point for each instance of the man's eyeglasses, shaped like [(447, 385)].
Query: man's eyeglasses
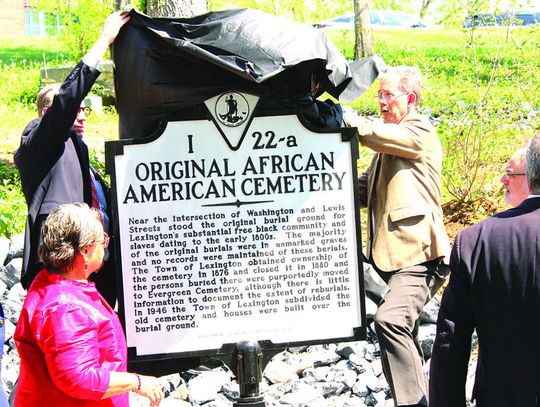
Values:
[(513, 174), (86, 110), (387, 96)]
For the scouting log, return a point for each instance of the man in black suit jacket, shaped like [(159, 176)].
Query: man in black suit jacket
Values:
[(53, 159), (494, 287)]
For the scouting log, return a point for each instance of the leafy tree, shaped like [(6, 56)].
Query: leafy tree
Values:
[(82, 20), (453, 12), (309, 11), (391, 4)]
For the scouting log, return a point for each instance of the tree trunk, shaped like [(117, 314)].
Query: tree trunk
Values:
[(121, 4), (425, 5), (176, 8), (362, 29)]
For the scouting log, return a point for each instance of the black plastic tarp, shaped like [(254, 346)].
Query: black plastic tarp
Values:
[(166, 68)]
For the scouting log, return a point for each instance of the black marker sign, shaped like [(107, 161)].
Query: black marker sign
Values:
[(237, 228)]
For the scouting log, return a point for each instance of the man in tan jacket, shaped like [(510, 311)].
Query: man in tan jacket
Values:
[(407, 242)]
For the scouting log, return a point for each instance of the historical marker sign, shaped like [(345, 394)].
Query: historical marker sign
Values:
[(238, 228)]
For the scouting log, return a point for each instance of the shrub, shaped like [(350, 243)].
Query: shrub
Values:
[(12, 202), (98, 163), (19, 84)]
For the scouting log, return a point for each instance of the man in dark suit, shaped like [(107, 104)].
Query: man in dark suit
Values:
[(494, 287), (53, 159)]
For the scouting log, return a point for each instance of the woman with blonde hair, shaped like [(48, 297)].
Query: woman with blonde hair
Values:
[(72, 346)]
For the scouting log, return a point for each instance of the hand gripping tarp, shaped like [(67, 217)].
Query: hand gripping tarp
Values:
[(166, 68)]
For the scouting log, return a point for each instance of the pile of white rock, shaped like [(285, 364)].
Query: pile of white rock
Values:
[(12, 297), (331, 375)]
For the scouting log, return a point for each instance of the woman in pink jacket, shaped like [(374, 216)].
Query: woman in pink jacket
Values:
[(72, 347)]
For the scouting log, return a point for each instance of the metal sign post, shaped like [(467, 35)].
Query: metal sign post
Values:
[(249, 374)]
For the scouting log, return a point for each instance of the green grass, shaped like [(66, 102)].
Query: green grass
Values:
[(31, 51)]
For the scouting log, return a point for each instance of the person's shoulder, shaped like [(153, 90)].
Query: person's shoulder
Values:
[(29, 127), (419, 121), (54, 301), (415, 115), (39, 294), (26, 138), (526, 214), (49, 289), (510, 218)]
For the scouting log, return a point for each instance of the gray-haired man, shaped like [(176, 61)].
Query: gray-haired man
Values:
[(494, 287), (406, 238)]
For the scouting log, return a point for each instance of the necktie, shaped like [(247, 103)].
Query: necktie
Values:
[(95, 200)]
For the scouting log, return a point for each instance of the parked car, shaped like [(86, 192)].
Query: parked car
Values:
[(393, 18), (379, 19), (503, 19)]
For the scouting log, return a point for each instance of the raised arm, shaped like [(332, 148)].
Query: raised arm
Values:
[(53, 129), (410, 139)]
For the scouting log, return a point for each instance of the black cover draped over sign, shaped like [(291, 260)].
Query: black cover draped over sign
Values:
[(165, 68)]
